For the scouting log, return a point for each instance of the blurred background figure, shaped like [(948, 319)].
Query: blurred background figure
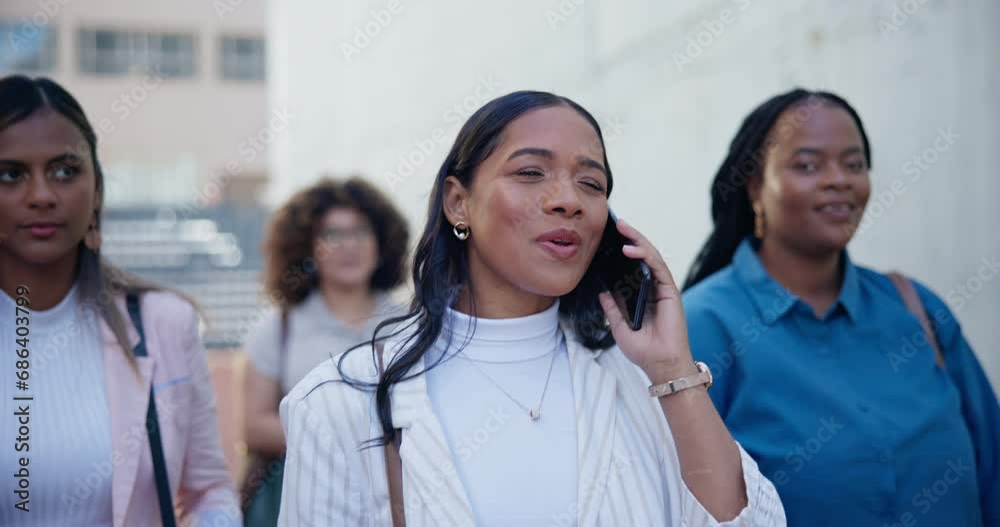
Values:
[(132, 393), (334, 252), (823, 369)]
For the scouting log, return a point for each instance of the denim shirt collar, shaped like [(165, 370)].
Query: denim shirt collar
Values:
[(773, 301)]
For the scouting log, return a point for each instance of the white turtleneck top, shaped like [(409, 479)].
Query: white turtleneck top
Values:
[(516, 471)]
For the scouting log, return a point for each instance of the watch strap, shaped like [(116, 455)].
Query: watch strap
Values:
[(704, 376)]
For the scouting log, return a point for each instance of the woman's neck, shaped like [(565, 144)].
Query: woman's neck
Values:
[(46, 285), (814, 279), (501, 303), (352, 305), (496, 297)]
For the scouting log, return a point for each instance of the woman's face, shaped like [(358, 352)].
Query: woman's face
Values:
[(537, 206), (815, 185), (345, 249), (48, 190)]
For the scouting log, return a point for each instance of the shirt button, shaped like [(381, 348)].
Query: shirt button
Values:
[(863, 408)]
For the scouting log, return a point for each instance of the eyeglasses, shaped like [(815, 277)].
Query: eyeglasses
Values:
[(335, 236)]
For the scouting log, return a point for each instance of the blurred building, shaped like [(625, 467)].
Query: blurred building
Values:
[(177, 92), (670, 83)]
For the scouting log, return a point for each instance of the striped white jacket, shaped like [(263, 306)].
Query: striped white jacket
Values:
[(629, 472)]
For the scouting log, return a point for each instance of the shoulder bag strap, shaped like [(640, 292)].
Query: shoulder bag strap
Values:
[(153, 424), (393, 463), (913, 304)]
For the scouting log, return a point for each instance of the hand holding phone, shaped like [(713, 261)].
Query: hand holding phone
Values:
[(629, 280)]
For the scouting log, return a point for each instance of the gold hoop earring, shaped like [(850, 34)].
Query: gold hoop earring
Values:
[(758, 220), (93, 238), (461, 231)]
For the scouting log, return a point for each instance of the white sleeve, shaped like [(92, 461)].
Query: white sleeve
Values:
[(321, 484), (763, 508)]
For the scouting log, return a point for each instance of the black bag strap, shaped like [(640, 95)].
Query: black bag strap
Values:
[(153, 424)]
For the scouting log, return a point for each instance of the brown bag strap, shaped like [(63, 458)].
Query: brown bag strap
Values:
[(393, 463), (913, 304)]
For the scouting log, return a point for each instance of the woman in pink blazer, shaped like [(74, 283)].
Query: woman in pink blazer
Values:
[(77, 370)]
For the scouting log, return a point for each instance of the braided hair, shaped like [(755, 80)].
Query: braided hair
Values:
[(732, 212)]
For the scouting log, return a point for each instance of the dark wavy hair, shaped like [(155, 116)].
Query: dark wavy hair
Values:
[(98, 281), (732, 212), (441, 268), (290, 270)]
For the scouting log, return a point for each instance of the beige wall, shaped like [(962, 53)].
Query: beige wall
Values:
[(163, 138)]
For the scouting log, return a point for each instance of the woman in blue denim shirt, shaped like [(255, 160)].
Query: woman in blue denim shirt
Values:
[(821, 371)]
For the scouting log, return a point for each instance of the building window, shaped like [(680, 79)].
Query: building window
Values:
[(243, 59), (108, 52), (26, 47)]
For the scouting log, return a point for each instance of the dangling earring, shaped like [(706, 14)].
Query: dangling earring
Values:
[(93, 238), (461, 231), (758, 220)]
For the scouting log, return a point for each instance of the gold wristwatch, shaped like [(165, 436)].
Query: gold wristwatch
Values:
[(704, 376)]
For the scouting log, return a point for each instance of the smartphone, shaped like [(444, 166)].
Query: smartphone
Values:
[(629, 280)]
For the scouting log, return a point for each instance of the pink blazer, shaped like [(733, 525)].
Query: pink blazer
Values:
[(185, 401)]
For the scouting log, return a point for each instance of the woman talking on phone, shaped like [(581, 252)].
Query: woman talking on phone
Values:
[(855, 391), (505, 398), (93, 344)]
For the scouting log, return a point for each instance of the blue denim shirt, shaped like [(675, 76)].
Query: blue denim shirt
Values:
[(849, 414)]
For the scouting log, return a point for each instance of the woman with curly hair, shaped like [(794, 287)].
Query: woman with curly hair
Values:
[(333, 253)]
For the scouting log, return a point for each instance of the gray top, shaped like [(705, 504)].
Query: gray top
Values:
[(314, 335)]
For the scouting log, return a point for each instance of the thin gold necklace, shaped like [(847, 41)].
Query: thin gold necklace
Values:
[(534, 413)]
